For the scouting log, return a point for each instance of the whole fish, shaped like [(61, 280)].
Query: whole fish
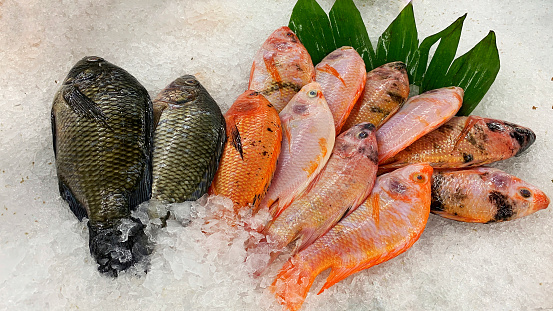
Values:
[(188, 141), (343, 184), (386, 89), (341, 75), (484, 195), (384, 226), (308, 139), (419, 115), (102, 131), (465, 142), (281, 68), (249, 158)]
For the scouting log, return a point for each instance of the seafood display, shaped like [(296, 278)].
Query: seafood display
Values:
[(342, 77), (188, 141), (102, 125)]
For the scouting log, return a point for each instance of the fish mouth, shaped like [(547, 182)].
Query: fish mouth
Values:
[(524, 136), (541, 201)]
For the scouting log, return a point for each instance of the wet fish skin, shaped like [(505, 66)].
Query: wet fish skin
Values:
[(419, 115), (254, 137), (188, 141), (281, 67), (342, 76), (484, 195), (465, 142), (308, 139), (102, 138), (388, 223), (386, 89), (343, 184)]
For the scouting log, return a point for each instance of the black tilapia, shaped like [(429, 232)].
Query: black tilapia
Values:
[(188, 141), (102, 129)]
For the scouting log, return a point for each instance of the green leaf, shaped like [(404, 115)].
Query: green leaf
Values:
[(443, 56), (312, 26), (399, 42), (475, 71), (349, 30)]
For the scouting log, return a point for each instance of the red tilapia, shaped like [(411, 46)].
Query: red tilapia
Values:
[(384, 226), (342, 186), (484, 195), (465, 142), (386, 89), (308, 139), (342, 77), (419, 115), (249, 158), (281, 68)]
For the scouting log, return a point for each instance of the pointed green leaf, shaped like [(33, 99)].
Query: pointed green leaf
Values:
[(399, 42), (349, 30), (311, 25), (475, 71), (443, 56)]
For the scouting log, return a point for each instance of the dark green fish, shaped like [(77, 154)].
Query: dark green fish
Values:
[(188, 141), (102, 126)]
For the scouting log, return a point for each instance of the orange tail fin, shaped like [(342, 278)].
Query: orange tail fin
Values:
[(293, 283)]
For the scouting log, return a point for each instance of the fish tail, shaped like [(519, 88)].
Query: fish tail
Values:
[(293, 283)]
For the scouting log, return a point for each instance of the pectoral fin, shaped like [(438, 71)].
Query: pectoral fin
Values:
[(236, 140), (82, 105)]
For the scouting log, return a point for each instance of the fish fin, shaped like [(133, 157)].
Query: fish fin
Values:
[(375, 202), (251, 75), (236, 139), (54, 139), (82, 105), (331, 70), (212, 167), (339, 273), (471, 121), (74, 205), (158, 108), (292, 284), (269, 60)]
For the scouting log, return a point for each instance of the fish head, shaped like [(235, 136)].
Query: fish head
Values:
[(87, 71), (283, 39), (523, 196), (523, 136), (394, 70), (181, 91), (338, 54), (306, 103), (407, 183), (358, 141)]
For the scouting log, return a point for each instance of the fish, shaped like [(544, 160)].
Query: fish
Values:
[(102, 129), (254, 137), (343, 184), (188, 141), (386, 89), (465, 142), (342, 76), (281, 67), (308, 139), (419, 115), (484, 195), (388, 223)]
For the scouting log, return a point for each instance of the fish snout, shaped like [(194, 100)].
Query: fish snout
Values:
[(524, 136), (400, 66), (541, 201)]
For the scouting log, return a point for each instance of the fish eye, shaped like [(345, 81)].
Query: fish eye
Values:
[(525, 193), (362, 135), (418, 178), (312, 93), (190, 82)]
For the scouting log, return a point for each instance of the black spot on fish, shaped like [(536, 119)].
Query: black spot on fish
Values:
[(525, 137), (377, 110), (467, 157), (395, 97), (254, 94), (437, 202), (269, 129), (397, 187), (495, 127), (292, 37), (504, 208), (369, 126), (264, 153), (275, 86), (399, 66)]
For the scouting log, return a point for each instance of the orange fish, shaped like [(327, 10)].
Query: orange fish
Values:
[(342, 185), (419, 115), (281, 68), (484, 195), (249, 158), (384, 226), (341, 75), (386, 89)]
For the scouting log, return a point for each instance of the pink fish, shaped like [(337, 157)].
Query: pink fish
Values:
[(419, 115), (308, 139), (281, 68), (342, 76)]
